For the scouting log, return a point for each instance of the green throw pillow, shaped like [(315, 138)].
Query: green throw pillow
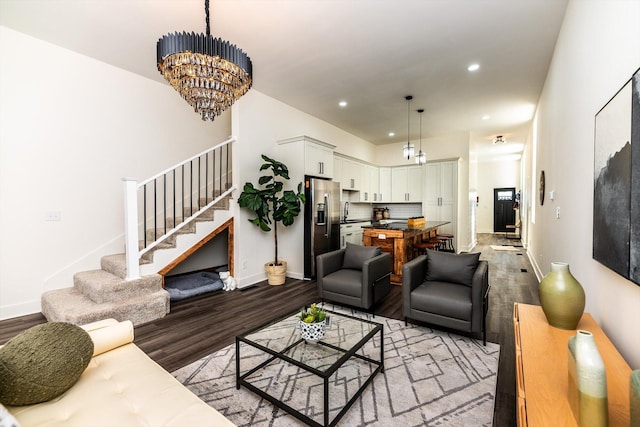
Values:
[(43, 362)]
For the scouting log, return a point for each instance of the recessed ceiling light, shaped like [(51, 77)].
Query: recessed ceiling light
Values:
[(473, 67), (342, 103), (392, 134), (486, 117)]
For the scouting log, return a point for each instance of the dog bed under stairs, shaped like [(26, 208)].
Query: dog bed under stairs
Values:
[(190, 285)]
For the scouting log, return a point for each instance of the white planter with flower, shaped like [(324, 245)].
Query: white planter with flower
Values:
[(313, 323)]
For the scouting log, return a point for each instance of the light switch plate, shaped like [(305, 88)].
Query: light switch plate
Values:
[(53, 216)]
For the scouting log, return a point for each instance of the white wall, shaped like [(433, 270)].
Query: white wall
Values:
[(494, 174), (259, 122), (214, 253), (436, 148), (473, 193), (597, 52), (454, 146), (70, 128)]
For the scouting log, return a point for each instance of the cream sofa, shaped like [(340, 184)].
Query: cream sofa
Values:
[(121, 387)]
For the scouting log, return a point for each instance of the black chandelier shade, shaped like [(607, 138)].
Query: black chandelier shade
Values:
[(205, 44)]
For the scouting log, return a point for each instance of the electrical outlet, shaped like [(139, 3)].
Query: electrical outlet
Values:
[(53, 216), (244, 264), (558, 212)]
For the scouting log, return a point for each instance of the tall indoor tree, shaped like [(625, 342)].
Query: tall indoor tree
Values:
[(272, 204)]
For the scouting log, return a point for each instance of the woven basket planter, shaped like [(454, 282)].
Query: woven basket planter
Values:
[(276, 274)]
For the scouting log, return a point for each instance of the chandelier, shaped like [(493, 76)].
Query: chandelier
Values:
[(421, 157), (409, 149), (209, 73), (499, 140)]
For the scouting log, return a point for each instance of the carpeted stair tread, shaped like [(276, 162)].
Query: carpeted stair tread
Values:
[(160, 231), (170, 242), (69, 305), (116, 264), (100, 294), (167, 244), (101, 286), (223, 203), (206, 215)]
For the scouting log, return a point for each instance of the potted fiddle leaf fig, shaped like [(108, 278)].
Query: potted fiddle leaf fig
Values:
[(272, 204)]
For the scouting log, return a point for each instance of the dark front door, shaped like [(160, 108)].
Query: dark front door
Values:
[(503, 212)]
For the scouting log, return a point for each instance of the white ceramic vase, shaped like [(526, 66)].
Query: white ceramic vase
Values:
[(587, 381), (312, 331)]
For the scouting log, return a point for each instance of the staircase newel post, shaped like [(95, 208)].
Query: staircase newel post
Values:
[(131, 227)]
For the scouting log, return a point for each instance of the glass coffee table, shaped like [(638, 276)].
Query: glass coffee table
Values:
[(297, 375)]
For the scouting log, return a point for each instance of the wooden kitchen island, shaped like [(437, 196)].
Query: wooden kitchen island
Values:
[(397, 239)]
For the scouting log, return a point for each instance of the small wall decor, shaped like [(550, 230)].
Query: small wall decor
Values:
[(541, 189), (616, 198)]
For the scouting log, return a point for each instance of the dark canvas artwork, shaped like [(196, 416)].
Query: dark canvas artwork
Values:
[(616, 207)]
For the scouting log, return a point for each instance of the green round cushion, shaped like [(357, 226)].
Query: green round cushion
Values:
[(43, 362)]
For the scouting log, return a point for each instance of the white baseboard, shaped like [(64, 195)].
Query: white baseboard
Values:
[(245, 282), (252, 279), (295, 275), (536, 267), (22, 309)]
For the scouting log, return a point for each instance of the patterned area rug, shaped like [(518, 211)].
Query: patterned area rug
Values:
[(431, 378)]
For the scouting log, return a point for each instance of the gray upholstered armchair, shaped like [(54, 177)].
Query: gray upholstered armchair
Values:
[(358, 276), (447, 290)]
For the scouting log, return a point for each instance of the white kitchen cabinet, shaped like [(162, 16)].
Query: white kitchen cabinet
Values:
[(441, 194), (414, 183), (365, 182), (374, 184), (337, 169), (370, 184), (318, 159), (315, 155), (406, 184), (351, 174), (384, 193), (352, 233)]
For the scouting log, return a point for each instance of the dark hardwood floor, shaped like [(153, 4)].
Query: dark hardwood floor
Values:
[(202, 325)]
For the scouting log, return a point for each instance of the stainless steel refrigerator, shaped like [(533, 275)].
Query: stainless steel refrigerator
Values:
[(321, 221)]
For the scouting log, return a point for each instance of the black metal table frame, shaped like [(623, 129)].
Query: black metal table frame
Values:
[(240, 379)]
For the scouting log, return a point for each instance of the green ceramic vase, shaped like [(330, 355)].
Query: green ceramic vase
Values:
[(634, 398), (587, 381), (561, 297)]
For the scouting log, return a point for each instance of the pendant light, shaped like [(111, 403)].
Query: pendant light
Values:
[(421, 158), (408, 150)]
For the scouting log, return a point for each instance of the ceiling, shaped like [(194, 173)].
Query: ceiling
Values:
[(311, 54)]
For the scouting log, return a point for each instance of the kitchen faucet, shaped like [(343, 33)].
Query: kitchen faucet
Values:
[(346, 210)]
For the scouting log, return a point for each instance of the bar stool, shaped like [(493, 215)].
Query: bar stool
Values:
[(420, 248), (447, 240)]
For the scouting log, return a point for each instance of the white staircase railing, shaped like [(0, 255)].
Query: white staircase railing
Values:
[(173, 198)]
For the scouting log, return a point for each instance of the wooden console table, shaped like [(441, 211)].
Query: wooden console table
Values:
[(542, 373)]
